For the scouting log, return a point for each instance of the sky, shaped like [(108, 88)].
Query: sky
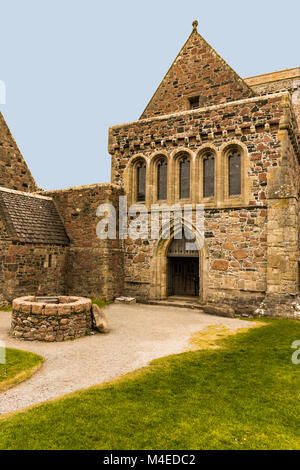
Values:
[(72, 68)]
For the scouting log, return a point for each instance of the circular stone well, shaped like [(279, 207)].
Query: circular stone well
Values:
[(51, 318)]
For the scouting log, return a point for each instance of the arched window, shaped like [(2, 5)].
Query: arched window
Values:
[(184, 177), (234, 173), (208, 175), (162, 176), (141, 181)]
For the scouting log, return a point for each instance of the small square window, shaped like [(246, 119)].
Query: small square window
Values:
[(48, 263), (194, 102)]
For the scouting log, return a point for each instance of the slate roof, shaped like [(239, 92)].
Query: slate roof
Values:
[(31, 218)]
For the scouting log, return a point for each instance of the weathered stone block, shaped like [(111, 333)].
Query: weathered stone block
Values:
[(240, 254), (220, 265), (50, 309), (37, 308), (100, 320), (220, 310)]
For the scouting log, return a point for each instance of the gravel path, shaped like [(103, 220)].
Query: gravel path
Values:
[(138, 334)]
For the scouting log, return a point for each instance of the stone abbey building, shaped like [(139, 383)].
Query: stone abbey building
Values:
[(206, 137)]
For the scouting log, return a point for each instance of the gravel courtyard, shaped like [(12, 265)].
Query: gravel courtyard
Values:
[(138, 334)]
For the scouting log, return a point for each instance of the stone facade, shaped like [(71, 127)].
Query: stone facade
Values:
[(251, 246), (25, 269), (248, 255), (239, 231)]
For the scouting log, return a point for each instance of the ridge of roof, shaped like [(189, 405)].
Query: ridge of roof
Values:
[(24, 193)]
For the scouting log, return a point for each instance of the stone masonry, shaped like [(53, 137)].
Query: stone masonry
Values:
[(67, 319), (91, 262)]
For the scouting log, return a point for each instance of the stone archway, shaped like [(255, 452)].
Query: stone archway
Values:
[(159, 266)]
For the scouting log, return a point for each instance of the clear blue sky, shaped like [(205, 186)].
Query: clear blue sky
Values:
[(74, 67)]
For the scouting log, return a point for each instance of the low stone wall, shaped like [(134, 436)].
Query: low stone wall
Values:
[(257, 304), (70, 318), (280, 307), (241, 302)]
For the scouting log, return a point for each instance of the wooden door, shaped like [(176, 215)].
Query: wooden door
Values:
[(183, 276)]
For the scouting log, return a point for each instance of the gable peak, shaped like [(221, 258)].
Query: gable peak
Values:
[(195, 25), (198, 71)]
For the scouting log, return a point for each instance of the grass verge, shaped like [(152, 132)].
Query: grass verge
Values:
[(100, 302), (244, 395), (6, 308), (19, 366)]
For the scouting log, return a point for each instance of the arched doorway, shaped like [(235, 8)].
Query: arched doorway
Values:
[(159, 274), (182, 268)]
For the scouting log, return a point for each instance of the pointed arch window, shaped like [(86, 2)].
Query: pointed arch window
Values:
[(208, 175), (141, 182), (184, 177), (234, 173), (162, 178)]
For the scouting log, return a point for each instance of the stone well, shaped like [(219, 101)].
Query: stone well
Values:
[(51, 318)]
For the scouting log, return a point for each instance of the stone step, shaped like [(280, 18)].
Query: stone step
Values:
[(212, 309), (176, 303)]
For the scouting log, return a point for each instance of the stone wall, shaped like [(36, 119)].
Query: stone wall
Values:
[(70, 318), (24, 269), (94, 267), (284, 80), (235, 259), (14, 173), (253, 122), (50, 328)]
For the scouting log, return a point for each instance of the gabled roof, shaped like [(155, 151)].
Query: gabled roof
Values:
[(31, 218), (197, 70)]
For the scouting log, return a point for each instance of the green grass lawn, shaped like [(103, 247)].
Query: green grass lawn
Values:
[(245, 395), (18, 367)]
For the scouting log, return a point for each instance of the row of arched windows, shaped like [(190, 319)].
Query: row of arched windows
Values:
[(233, 173)]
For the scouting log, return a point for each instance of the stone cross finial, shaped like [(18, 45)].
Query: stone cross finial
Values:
[(195, 24)]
